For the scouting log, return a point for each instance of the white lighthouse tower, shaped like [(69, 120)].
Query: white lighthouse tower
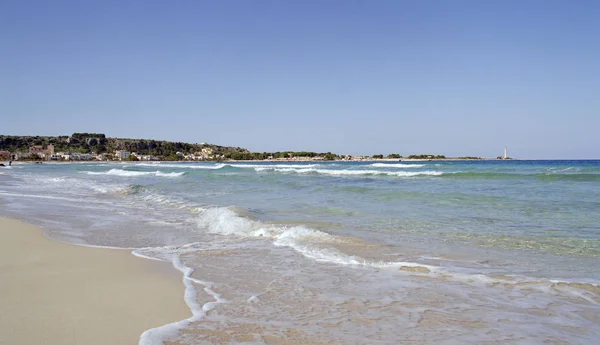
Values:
[(505, 153)]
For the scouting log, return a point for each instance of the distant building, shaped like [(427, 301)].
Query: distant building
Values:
[(145, 157), (41, 151), (121, 154), (4, 155), (82, 157), (38, 149)]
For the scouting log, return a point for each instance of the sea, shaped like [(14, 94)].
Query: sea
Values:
[(385, 252)]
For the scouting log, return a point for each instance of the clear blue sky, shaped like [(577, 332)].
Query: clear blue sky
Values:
[(361, 77)]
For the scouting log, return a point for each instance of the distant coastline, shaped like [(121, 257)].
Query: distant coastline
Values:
[(366, 160), (90, 147)]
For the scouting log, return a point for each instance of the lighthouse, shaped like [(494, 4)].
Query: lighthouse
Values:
[(505, 153)]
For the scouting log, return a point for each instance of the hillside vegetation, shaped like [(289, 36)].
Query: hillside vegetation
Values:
[(99, 143)]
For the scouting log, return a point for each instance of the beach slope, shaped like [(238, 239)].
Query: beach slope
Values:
[(56, 293)]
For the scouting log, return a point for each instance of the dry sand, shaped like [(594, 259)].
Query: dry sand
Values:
[(56, 293)]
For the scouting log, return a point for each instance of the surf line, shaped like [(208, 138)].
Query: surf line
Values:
[(157, 335)]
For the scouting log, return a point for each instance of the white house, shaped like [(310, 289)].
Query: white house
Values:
[(121, 154)]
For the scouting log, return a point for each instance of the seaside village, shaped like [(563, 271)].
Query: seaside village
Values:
[(39, 153), (48, 154)]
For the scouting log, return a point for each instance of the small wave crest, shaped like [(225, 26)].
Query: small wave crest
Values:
[(254, 166), (152, 196), (183, 166), (392, 165), (334, 172), (308, 242), (129, 173)]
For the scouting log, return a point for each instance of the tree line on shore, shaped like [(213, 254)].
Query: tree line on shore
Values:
[(280, 155), (98, 143)]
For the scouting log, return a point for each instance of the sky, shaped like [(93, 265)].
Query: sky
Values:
[(352, 77)]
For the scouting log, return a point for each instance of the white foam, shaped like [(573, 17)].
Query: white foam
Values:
[(157, 336), (171, 174), (253, 166), (392, 165), (183, 165), (333, 172), (308, 242), (57, 179), (71, 185), (224, 221), (158, 198), (104, 189), (128, 173)]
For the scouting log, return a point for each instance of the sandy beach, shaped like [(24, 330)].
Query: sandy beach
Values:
[(57, 293)]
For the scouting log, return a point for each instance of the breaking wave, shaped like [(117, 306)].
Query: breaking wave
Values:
[(254, 166), (128, 173), (183, 165), (319, 246), (224, 165), (333, 172), (392, 165)]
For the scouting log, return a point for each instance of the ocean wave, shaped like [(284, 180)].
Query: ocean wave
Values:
[(183, 166), (392, 165), (310, 243), (545, 176), (223, 165), (152, 196), (254, 166), (224, 221), (105, 189), (128, 173), (71, 185), (320, 246), (333, 172)]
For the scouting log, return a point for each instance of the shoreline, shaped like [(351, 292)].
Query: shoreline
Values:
[(315, 161), (58, 293)]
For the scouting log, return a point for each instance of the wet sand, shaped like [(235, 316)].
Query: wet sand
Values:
[(56, 293)]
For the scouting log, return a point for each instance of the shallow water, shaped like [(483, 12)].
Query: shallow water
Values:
[(345, 253)]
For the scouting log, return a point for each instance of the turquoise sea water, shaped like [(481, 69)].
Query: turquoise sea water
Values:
[(434, 252)]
